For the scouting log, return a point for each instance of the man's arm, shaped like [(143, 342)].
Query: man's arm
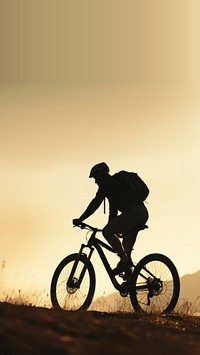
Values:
[(93, 206)]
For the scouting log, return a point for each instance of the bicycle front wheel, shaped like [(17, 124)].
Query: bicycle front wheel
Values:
[(155, 285), (73, 283)]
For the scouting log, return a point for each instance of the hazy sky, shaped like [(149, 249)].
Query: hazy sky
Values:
[(89, 81)]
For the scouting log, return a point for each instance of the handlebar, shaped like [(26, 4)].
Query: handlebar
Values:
[(87, 226)]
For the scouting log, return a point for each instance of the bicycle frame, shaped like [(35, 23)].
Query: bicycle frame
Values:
[(95, 243), (155, 275)]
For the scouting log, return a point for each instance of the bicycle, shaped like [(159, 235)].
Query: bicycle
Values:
[(153, 285)]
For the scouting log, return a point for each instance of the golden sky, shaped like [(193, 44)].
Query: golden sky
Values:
[(86, 81), (79, 42)]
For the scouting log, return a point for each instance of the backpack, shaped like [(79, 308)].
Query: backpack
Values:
[(133, 186)]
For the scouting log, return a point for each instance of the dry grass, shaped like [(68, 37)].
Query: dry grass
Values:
[(36, 298), (119, 304), (32, 297), (188, 308)]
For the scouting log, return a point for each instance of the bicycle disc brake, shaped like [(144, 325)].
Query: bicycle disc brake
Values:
[(155, 288), (72, 286)]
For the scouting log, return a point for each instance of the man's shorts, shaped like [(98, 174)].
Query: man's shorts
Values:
[(127, 221)]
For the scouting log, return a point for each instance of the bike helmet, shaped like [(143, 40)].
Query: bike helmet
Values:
[(100, 167)]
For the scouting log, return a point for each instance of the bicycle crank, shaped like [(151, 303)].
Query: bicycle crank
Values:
[(124, 289)]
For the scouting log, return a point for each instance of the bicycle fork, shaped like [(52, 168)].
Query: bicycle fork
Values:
[(72, 280)]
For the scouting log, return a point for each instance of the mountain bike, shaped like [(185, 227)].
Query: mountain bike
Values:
[(153, 285)]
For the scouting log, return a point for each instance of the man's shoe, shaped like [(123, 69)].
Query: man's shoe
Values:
[(122, 266)]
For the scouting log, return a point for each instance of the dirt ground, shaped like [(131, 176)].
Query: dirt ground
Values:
[(31, 330)]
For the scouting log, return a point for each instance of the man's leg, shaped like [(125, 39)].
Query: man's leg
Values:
[(129, 241), (138, 215), (109, 234)]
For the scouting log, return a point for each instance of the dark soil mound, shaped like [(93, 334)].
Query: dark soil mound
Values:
[(31, 330)]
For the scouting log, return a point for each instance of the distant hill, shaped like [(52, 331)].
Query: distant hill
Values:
[(190, 286), (190, 292)]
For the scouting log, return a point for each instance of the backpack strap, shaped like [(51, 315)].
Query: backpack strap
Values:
[(104, 206)]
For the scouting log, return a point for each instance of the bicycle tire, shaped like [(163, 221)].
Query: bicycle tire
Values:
[(71, 297), (162, 292)]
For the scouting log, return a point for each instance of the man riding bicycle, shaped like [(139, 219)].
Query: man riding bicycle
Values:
[(133, 213)]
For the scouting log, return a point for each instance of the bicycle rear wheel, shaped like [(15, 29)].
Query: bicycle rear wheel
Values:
[(73, 283), (155, 285)]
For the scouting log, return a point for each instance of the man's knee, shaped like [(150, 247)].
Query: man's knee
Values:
[(111, 228), (108, 231)]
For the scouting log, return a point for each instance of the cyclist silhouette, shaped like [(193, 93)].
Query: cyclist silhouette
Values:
[(133, 215)]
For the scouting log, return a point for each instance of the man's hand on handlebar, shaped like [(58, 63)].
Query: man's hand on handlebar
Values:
[(78, 223)]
